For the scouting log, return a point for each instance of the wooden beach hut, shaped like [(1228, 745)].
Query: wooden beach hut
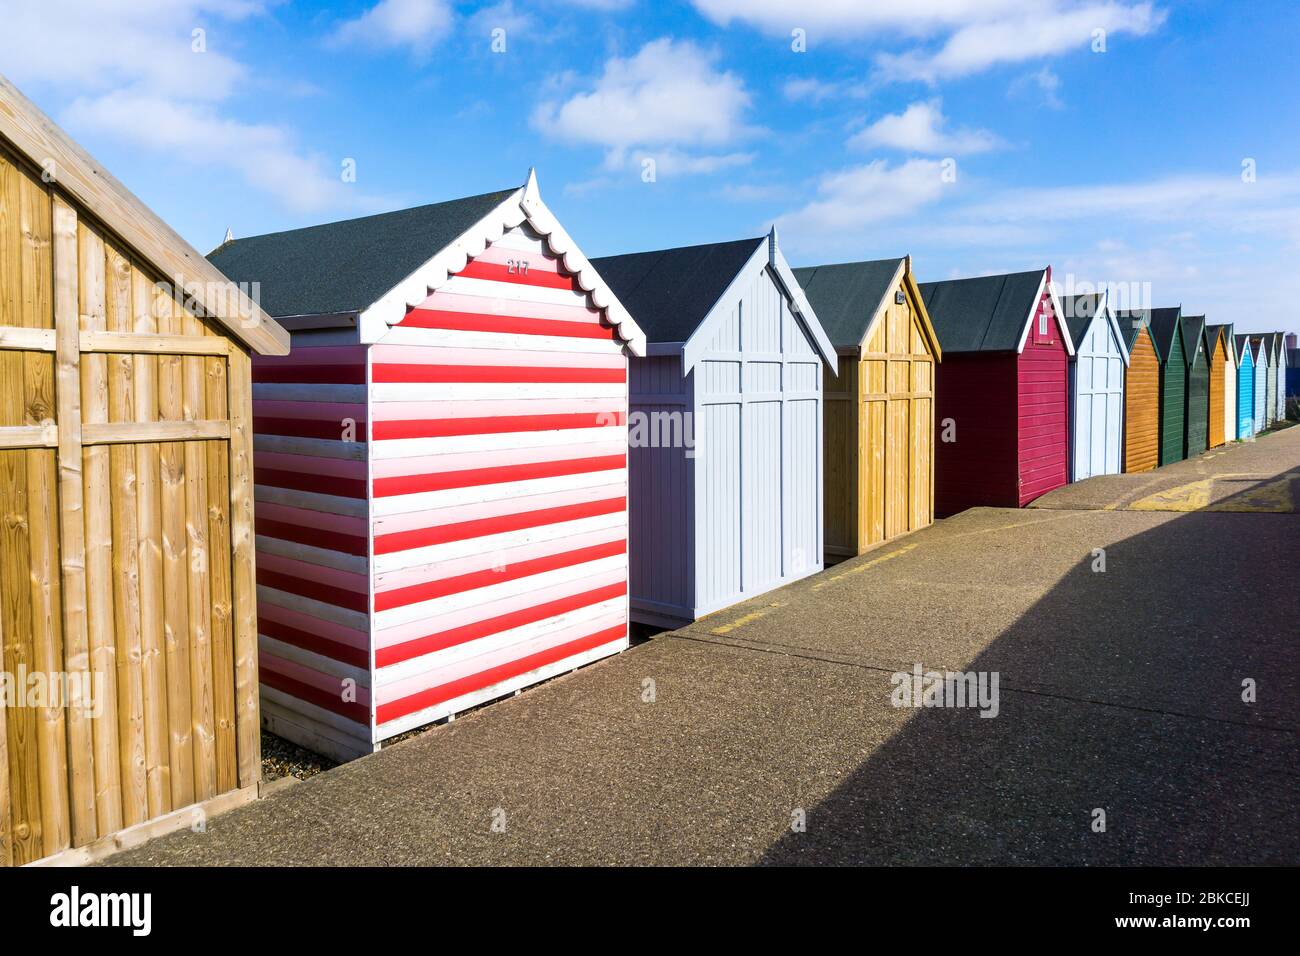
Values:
[(1279, 369), (1265, 383), (1141, 393), (729, 505), (441, 465), (128, 674), (879, 414), (1196, 423), (1245, 387), (1223, 384), (1292, 373), (1096, 385), (1166, 330), (1001, 404)]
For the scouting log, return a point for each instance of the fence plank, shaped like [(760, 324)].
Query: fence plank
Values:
[(244, 584), (223, 651), (72, 550)]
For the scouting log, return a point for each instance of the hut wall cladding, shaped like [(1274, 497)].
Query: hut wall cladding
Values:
[(980, 467), (472, 539), (1173, 403), (1214, 435), (1261, 387), (1270, 390), (123, 540), (1097, 403), (1041, 382), (1228, 370), (1198, 398), (1142, 406), (897, 438), (1246, 394)]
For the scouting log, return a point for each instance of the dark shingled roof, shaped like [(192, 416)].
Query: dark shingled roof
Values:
[(669, 292), (1243, 341), (986, 314), (1193, 328), (1213, 333), (1079, 312), (347, 266), (1164, 324), (845, 296), (1131, 323)]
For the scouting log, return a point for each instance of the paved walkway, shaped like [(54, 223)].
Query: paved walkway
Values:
[(1119, 690)]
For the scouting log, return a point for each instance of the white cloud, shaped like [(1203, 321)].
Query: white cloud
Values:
[(1019, 38), (264, 155), (1044, 82), (854, 199), (668, 95), (920, 129), (973, 35), (142, 76), (414, 24), (812, 90)]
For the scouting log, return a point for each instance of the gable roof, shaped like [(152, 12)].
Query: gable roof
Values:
[(35, 136), (1131, 323), (346, 266), (1260, 345), (846, 295), (1245, 349), (1078, 311), (1215, 333), (671, 291), (986, 313), (1279, 352), (1193, 330), (1164, 325), (381, 266)]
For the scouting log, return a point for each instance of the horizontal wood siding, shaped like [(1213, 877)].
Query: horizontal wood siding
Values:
[(499, 483), (310, 423), (1246, 398), (1042, 414), (1214, 436), (1142, 406), (1262, 377), (1196, 427), (976, 457)]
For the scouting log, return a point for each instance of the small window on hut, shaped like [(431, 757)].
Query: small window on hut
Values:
[(1042, 324)]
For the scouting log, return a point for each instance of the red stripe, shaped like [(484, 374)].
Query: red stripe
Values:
[(300, 481), (314, 695), (316, 537), (460, 531), (499, 272), (307, 428), (356, 656), (387, 656), (428, 590), (509, 324), (393, 372), (475, 477), (494, 425), (316, 590), (311, 374), (494, 675)]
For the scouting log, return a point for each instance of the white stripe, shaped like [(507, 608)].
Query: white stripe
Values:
[(479, 494), (518, 292), (306, 605), (299, 392), (330, 504), (512, 341), (318, 447), (414, 447), (325, 557), (413, 557), (517, 391), (427, 610), (494, 642)]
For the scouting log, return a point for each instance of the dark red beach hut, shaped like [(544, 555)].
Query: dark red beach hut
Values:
[(1001, 402)]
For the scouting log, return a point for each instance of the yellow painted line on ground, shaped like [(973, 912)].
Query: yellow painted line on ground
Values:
[(744, 619), (1192, 496), (858, 569), (1273, 498)]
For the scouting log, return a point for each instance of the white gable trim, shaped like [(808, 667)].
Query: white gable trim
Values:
[(885, 301), (1057, 315), (523, 205), (766, 255), (1113, 322)]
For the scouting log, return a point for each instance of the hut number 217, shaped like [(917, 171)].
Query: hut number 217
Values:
[(517, 267)]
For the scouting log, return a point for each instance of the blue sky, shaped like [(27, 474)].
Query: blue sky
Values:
[(977, 135)]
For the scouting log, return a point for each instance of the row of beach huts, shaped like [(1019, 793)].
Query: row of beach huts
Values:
[(344, 481)]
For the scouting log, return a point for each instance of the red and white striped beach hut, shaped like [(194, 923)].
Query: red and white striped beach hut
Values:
[(441, 465)]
